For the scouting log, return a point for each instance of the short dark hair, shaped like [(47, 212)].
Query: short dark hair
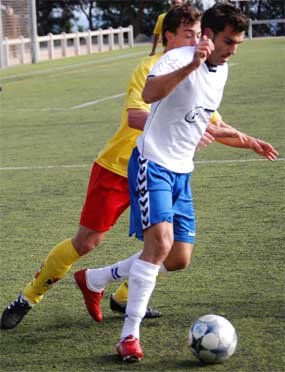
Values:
[(184, 14), (224, 14)]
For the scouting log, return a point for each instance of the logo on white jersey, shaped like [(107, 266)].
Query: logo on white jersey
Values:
[(193, 116)]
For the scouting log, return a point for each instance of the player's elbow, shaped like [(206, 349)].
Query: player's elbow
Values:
[(149, 94), (137, 118), (146, 96)]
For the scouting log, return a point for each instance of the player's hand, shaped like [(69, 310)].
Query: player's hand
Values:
[(205, 140), (264, 149), (203, 49)]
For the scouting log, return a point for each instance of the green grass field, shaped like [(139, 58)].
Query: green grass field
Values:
[(47, 149)]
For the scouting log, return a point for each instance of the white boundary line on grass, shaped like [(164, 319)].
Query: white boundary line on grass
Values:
[(97, 101), (83, 105), (46, 167), (71, 66), (105, 99)]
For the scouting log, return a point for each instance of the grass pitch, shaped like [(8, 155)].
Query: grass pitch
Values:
[(47, 148)]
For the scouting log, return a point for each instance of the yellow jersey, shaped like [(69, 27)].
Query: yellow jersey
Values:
[(216, 118), (158, 26), (116, 153)]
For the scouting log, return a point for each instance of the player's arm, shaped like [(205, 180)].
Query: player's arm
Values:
[(243, 140), (137, 118), (158, 87), (156, 33), (205, 140), (218, 130), (154, 44), (223, 130), (137, 109)]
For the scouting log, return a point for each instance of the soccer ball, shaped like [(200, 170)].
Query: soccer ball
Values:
[(212, 339)]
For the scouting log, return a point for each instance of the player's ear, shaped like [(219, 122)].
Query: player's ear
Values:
[(209, 33), (169, 35)]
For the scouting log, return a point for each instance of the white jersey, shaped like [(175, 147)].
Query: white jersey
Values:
[(177, 122)]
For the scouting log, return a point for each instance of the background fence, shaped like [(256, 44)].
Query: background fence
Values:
[(20, 50), (270, 23), (19, 42)]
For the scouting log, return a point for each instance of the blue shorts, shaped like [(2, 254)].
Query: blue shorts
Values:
[(159, 195)]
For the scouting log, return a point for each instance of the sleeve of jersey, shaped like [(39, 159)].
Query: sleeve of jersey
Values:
[(158, 26), (215, 118), (170, 61), (136, 85)]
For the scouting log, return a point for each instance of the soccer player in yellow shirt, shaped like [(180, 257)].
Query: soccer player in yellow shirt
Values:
[(107, 195), (106, 199), (157, 31)]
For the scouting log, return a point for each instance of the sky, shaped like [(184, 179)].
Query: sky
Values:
[(208, 3)]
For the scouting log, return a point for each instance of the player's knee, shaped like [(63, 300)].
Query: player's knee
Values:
[(183, 264), (85, 244), (163, 245), (177, 263)]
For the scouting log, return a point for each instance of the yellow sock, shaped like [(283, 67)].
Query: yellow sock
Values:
[(56, 265), (121, 293)]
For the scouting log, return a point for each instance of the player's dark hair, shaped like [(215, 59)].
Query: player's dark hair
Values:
[(184, 14), (224, 14)]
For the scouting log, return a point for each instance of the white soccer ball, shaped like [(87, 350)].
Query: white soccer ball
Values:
[(212, 339)]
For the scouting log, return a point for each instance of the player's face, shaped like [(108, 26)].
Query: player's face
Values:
[(226, 43), (186, 35), (175, 3)]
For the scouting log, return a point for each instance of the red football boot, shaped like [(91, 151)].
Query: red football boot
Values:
[(92, 299), (130, 349)]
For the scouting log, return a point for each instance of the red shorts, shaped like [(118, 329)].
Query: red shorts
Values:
[(107, 198)]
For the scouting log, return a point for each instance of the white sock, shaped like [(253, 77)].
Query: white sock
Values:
[(97, 279), (163, 269), (142, 281)]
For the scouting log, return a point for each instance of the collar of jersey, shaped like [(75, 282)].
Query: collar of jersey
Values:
[(211, 68)]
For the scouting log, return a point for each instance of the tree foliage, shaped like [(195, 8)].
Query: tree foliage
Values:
[(267, 9), (58, 15), (55, 16)]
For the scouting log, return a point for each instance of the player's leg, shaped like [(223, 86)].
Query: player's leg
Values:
[(120, 296), (99, 213), (184, 226), (156, 244), (151, 213), (110, 198), (142, 280), (58, 262), (179, 257), (118, 302), (184, 235)]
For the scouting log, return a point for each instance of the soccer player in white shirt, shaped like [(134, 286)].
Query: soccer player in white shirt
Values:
[(162, 212), (184, 87)]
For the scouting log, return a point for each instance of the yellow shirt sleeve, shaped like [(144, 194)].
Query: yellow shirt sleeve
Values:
[(158, 26), (215, 118), (135, 88)]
